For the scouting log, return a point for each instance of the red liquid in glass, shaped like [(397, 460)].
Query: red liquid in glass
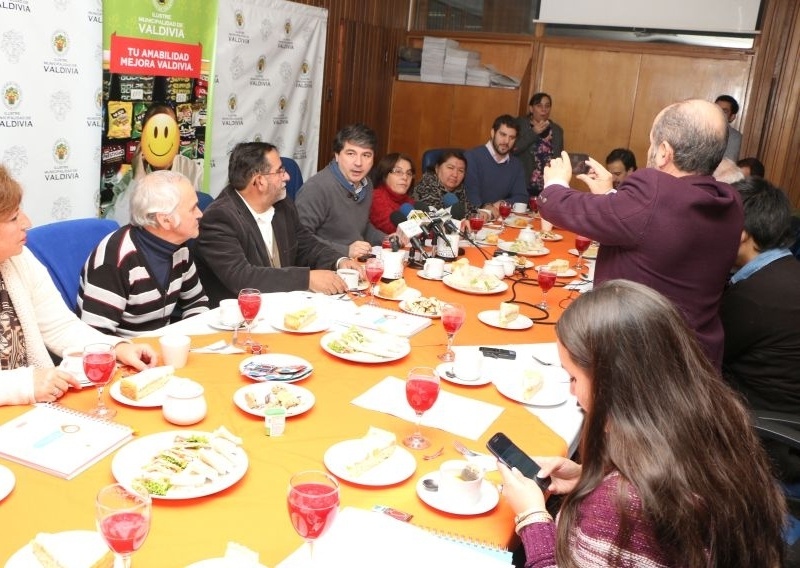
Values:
[(452, 322), (476, 223), (582, 243), (505, 210), (374, 274), (421, 393), (249, 306), (124, 532), (534, 204), (546, 280), (312, 508), (98, 367)]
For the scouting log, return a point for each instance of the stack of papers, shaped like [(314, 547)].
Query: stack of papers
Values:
[(478, 76), (433, 54), (456, 63)]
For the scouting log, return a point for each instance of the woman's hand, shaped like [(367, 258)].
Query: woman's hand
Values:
[(521, 493), (564, 474), (50, 384), (138, 356), (540, 126)]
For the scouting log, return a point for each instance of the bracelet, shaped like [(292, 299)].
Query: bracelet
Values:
[(540, 517), (527, 513)]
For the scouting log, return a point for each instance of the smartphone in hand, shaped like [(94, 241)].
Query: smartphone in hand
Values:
[(513, 457), (578, 162)]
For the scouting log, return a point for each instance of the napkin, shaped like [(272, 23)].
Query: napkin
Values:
[(220, 347), (453, 413)]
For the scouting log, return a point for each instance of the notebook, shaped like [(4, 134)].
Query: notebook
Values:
[(387, 321), (365, 539), (59, 440)]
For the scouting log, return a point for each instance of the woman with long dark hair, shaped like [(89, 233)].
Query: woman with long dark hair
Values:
[(671, 471)]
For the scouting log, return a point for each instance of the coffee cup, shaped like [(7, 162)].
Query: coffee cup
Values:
[(434, 268), (393, 264), (72, 361), (467, 364), (460, 482), (377, 250), (508, 262), (229, 313), (175, 349), (350, 277), (519, 207), (495, 268)]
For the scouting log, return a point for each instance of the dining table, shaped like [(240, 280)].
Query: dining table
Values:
[(253, 511)]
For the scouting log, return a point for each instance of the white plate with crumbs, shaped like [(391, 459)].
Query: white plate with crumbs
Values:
[(258, 392), (396, 468)]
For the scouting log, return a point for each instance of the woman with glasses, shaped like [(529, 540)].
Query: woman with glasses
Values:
[(392, 177)]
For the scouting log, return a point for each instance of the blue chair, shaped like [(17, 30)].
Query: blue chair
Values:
[(295, 176), (204, 200), (431, 155), (63, 248)]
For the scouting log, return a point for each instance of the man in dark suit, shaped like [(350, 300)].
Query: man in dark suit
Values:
[(251, 236)]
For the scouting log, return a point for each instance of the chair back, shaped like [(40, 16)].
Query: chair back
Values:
[(63, 248), (295, 177), (204, 200)]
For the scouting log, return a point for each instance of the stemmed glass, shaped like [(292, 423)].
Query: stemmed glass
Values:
[(374, 271), (313, 502), (546, 279), (99, 361), (422, 390), (476, 222), (123, 518), (581, 244), (504, 209), (249, 305), (533, 203), (453, 316)]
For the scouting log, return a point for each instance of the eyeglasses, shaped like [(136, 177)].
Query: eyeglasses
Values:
[(279, 172), (399, 172)]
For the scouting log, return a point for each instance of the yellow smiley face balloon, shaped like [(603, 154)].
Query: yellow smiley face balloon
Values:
[(160, 140)]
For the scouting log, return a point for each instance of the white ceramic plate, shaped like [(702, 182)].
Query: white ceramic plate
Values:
[(442, 368), (421, 274), (488, 501), (152, 400), (587, 255), (219, 563), (404, 305), (400, 466), (260, 391), (320, 323), (508, 246), (260, 326), (7, 481), (129, 460), (568, 273), (516, 221), (408, 294), (360, 357), (554, 237), (501, 287), (553, 392), (492, 318), (279, 359), (24, 558)]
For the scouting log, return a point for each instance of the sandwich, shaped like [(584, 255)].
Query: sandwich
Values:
[(54, 552), (140, 385), (508, 313), (393, 289), (299, 318), (492, 238), (373, 449), (558, 266), (532, 383)]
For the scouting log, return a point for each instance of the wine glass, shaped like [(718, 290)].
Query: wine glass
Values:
[(546, 279), (99, 362), (581, 244), (533, 203), (476, 222), (313, 502), (422, 390), (123, 519), (249, 305), (374, 271), (453, 316), (504, 209)]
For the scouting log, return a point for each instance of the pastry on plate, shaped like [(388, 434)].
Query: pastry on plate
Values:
[(374, 448), (299, 318), (393, 289), (508, 313), (54, 552), (140, 385)]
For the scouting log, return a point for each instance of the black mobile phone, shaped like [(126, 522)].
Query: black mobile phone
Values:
[(365, 257), (512, 456), (497, 353), (579, 165)]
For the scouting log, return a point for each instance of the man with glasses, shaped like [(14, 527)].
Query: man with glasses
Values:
[(142, 276), (251, 236)]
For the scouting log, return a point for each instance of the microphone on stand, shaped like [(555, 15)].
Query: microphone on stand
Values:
[(412, 230), (449, 199)]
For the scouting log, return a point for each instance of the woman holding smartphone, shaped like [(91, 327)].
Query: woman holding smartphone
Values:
[(671, 471)]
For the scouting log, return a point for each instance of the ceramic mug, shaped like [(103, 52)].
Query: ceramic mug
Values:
[(468, 363), (460, 481), (519, 207), (229, 312), (434, 268), (175, 349), (494, 267), (350, 277)]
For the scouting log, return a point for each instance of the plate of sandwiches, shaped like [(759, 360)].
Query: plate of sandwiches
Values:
[(507, 317), (181, 464), (534, 386), (374, 460), (365, 346), (303, 320), (517, 221), (280, 367), (255, 399), (560, 267), (473, 280), (429, 307), (396, 290), (66, 548), (146, 389), (526, 248), (550, 236), (487, 237)]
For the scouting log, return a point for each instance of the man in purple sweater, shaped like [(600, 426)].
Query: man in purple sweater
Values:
[(670, 226)]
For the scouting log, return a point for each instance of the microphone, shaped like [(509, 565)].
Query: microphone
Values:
[(458, 211), (449, 199), (397, 217), (405, 209), (412, 230)]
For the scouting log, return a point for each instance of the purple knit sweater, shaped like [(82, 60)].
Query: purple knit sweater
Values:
[(592, 541)]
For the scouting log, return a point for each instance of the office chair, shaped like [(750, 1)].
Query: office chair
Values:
[(295, 177), (784, 429), (204, 200), (429, 158), (63, 248)]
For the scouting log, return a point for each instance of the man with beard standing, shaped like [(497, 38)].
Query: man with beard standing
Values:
[(493, 174), (670, 226)]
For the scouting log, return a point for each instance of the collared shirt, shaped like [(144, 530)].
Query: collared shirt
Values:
[(264, 222), (760, 261), (497, 158)]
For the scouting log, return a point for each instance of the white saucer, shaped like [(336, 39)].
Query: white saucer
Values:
[(398, 467), (568, 273), (421, 274), (554, 391), (575, 252), (489, 498), (442, 368), (492, 318), (7, 481), (152, 400), (408, 294), (24, 558)]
